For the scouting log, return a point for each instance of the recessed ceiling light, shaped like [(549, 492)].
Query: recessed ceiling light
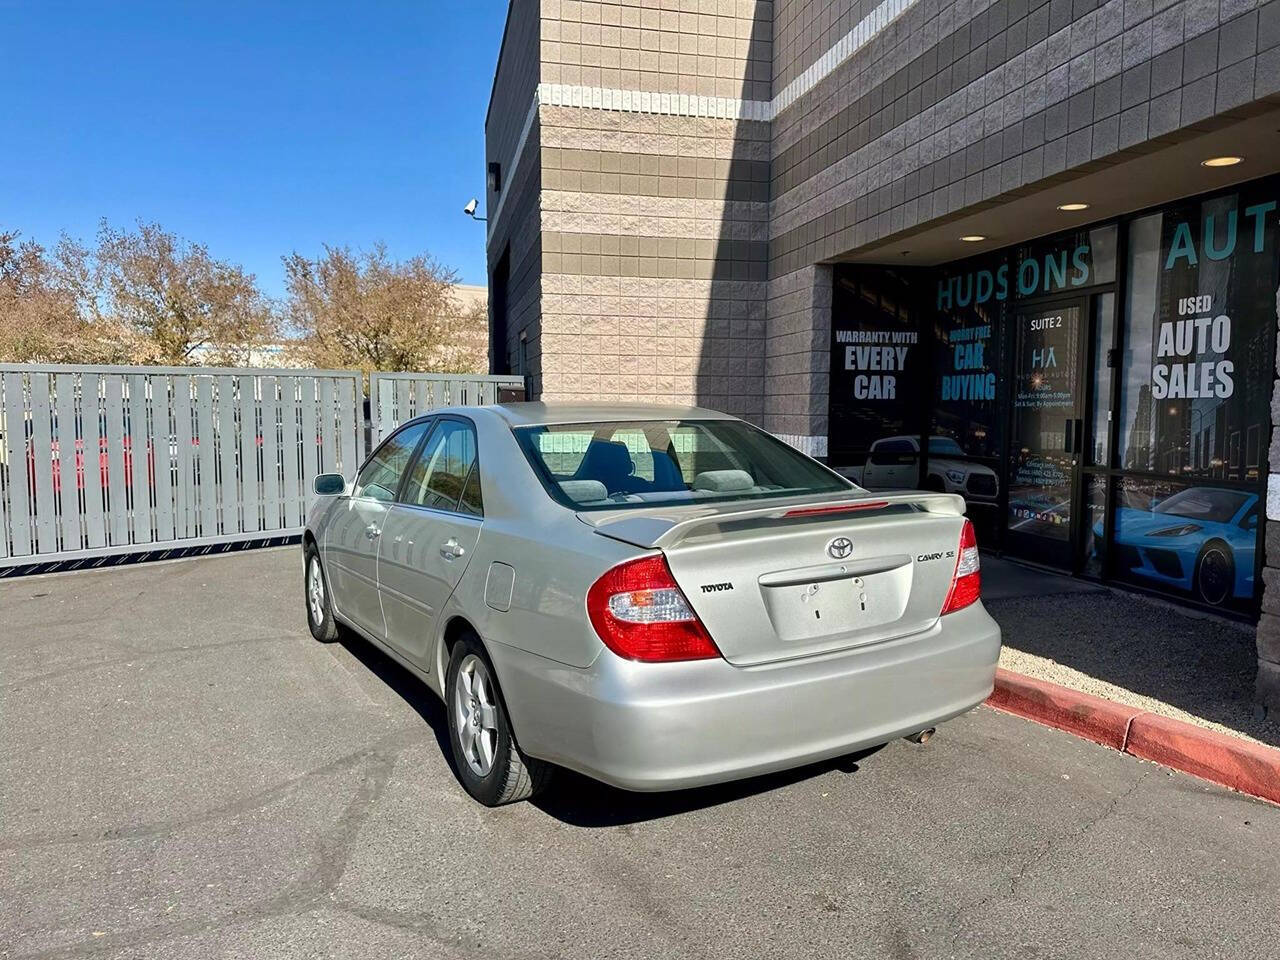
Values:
[(1073, 207), (1221, 161), (973, 238)]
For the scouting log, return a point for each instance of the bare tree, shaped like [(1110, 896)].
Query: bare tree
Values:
[(366, 310), (183, 304)]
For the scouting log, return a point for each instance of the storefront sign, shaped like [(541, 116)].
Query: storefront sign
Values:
[(1031, 277), (875, 358), (969, 377), (1194, 339), (1077, 260), (1183, 246)]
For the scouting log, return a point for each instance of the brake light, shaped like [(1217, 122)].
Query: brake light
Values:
[(966, 582), (641, 614), (837, 508)]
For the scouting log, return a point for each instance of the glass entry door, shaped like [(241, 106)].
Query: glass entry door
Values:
[(1046, 433)]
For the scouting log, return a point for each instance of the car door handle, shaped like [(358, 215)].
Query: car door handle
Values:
[(372, 531), (451, 549)]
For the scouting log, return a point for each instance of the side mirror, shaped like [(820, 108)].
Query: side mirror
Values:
[(329, 484)]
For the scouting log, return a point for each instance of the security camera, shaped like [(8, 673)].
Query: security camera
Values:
[(470, 208)]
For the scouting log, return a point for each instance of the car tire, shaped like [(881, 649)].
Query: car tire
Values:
[(487, 758), (315, 594), (1215, 574)]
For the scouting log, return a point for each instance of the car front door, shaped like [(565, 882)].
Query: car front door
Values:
[(355, 530), (430, 537)]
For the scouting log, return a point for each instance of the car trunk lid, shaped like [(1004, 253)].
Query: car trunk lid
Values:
[(806, 576)]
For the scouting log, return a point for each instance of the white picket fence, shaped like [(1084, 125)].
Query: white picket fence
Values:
[(397, 397), (97, 461)]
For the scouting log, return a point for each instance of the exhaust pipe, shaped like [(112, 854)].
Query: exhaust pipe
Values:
[(924, 736)]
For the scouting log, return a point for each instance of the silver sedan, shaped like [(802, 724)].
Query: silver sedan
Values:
[(657, 597)]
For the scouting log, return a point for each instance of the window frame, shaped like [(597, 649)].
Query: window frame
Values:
[(429, 422), (401, 500)]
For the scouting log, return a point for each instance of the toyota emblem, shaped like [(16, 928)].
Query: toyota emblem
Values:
[(840, 547)]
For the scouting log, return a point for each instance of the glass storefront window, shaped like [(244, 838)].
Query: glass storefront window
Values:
[(879, 377), (1197, 365), (1045, 410), (966, 361), (1020, 354), (1093, 548), (1195, 541), (1104, 336)]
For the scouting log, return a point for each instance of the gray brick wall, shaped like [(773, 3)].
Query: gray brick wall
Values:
[(513, 210), (962, 103), (514, 83)]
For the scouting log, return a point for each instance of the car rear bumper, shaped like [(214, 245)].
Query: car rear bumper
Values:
[(668, 726)]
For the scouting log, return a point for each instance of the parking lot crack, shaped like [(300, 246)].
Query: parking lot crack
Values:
[(432, 930), (143, 656), (1042, 852), (387, 746), (308, 892)]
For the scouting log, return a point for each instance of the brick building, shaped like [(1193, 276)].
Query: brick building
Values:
[(1024, 250)]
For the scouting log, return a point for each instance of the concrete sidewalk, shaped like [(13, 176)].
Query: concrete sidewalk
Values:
[(1135, 650)]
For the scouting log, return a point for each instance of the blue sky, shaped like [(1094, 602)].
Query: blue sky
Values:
[(256, 128)]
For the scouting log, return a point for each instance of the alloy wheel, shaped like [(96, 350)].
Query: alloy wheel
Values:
[(315, 591), (476, 715)]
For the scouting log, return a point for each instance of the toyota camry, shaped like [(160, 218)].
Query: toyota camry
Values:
[(657, 597)]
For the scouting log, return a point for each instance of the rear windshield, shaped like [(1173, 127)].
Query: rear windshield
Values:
[(655, 462)]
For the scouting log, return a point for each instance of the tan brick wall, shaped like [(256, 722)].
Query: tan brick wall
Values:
[(655, 228), (715, 48), (798, 355)]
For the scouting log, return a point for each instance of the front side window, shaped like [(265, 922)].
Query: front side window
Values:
[(442, 470), (380, 477), (650, 463)]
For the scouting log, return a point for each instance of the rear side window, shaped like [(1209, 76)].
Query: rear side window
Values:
[(599, 466), (442, 470), (380, 477), (471, 501)]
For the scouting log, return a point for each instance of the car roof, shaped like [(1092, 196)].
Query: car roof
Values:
[(537, 412)]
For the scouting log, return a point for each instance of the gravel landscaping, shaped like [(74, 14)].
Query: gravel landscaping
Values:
[(1132, 649)]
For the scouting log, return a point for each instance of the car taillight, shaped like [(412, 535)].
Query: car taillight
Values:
[(641, 614), (966, 582)]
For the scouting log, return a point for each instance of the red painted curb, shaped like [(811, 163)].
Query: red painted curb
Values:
[(1093, 718), (1239, 764)]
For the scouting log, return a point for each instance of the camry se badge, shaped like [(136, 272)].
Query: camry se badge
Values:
[(924, 557), (840, 547)]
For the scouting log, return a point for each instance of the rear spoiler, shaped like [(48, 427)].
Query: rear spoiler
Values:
[(657, 532)]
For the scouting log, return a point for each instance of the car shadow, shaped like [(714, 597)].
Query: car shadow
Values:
[(579, 801), (572, 798), (403, 683)]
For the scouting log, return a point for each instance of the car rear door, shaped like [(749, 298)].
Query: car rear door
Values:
[(356, 526), (430, 536)]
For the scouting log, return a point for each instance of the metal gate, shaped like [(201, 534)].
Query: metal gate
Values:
[(397, 397), (108, 460)]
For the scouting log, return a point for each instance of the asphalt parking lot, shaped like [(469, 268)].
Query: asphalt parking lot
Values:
[(185, 773)]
